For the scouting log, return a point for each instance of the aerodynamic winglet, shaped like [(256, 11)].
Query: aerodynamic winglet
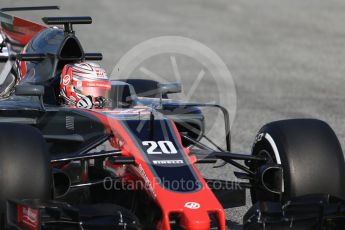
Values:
[(65, 20), (29, 8)]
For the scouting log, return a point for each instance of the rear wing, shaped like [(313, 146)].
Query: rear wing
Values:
[(17, 31)]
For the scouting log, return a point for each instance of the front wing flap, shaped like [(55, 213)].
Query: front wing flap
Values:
[(36, 215), (305, 212)]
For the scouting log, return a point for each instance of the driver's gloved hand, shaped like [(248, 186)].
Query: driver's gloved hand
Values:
[(100, 102), (85, 102)]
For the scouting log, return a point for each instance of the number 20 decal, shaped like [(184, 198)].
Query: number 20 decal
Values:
[(166, 147)]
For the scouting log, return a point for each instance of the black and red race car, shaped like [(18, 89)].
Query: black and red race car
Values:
[(133, 165)]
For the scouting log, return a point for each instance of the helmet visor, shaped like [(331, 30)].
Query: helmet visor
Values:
[(94, 88)]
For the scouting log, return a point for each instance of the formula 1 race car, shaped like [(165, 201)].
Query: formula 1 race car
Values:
[(132, 164)]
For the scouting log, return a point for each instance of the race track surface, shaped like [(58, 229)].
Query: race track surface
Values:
[(286, 57)]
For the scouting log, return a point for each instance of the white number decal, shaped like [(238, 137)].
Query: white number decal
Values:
[(167, 147), (152, 146)]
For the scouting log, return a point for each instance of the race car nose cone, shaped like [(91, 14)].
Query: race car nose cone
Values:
[(195, 219)]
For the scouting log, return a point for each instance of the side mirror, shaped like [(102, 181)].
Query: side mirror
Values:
[(31, 90), (168, 88)]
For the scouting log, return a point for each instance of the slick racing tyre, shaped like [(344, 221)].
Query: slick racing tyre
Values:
[(309, 154), (24, 165)]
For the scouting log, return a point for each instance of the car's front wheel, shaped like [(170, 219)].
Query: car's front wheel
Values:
[(309, 154), (24, 165)]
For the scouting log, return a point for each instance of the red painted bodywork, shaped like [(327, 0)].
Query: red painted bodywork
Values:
[(27, 217), (169, 201), (20, 31)]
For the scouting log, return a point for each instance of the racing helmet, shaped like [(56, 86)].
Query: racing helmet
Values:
[(84, 85)]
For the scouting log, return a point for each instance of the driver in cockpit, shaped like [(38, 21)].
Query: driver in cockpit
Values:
[(84, 85)]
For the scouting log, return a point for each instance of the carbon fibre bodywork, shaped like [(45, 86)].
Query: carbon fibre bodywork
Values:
[(132, 165)]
